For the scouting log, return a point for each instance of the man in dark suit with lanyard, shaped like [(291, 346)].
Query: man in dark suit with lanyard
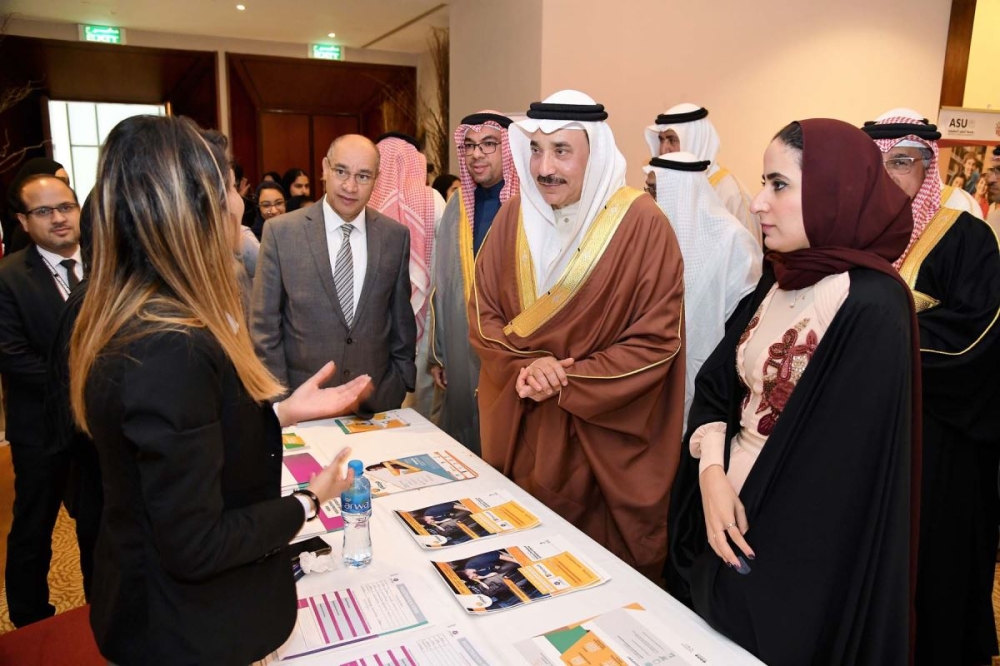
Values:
[(34, 285)]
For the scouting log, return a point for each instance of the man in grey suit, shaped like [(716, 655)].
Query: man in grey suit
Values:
[(333, 282)]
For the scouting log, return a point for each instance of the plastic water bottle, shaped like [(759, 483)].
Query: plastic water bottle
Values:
[(356, 509)]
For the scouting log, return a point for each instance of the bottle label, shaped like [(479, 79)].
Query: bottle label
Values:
[(347, 506)]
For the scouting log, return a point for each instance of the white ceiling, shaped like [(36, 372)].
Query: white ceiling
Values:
[(355, 22)]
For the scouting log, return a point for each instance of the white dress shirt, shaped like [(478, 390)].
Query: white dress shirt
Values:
[(359, 245), (439, 205), (53, 260), (553, 245)]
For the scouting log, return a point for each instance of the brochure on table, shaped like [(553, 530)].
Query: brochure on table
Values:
[(345, 616), (467, 519), (527, 572), (446, 647), (296, 469), (411, 472), (630, 636), (352, 425)]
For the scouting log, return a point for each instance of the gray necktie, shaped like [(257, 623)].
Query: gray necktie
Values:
[(343, 275), (72, 280)]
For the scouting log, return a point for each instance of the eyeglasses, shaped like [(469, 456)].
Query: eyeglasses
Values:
[(650, 190), (264, 205), (994, 172), (45, 212), (900, 165), (343, 175), (488, 147)]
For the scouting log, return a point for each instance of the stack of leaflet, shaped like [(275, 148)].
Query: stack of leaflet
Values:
[(531, 571), (467, 519)]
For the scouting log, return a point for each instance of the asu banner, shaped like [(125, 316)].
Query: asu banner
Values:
[(968, 126)]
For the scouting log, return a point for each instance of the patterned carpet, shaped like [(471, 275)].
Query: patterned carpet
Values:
[(65, 580)]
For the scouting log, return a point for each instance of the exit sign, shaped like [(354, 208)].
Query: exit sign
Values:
[(326, 52), (102, 33)]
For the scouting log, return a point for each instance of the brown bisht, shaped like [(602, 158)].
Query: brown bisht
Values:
[(603, 452)]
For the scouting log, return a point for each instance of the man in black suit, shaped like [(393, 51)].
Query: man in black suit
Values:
[(34, 285), (333, 282)]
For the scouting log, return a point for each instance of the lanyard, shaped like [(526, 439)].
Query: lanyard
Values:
[(60, 282)]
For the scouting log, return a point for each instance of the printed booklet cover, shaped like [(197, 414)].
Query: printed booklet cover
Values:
[(296, 470), (428, 469), (496, 580), (352, 425), (629, 636), (467, 519)]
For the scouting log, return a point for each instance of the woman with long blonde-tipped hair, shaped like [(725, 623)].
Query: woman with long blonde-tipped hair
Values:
[(191, 564)]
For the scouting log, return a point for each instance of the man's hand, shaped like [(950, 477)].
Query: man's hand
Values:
[(543, 379), (309, 401), (440, 378)]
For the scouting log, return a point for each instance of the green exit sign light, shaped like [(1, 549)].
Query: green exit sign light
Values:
[(326, 52), (102, 33)]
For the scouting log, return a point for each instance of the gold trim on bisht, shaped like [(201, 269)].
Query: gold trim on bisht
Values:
[(541, 309), (923, 302), (935, 231), (717, 177), (527, 292), (465, 248), (939, 225)]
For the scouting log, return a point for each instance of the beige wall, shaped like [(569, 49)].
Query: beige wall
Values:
[(982, 84), (755, 66), (495, 57), (222, 45)]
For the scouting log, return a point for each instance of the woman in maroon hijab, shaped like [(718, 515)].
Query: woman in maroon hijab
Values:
[(790, 524)]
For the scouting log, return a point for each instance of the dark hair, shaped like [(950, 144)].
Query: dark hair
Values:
[(216, 138), (296, 202), (87, 232), (24, 182), (237, 171), (442, 183), (791, 135), (133, 147), (274, 175), (268, 185), (290, 177)]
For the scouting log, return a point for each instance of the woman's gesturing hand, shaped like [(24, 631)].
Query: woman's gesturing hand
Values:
[(309, 401), (332, 479)]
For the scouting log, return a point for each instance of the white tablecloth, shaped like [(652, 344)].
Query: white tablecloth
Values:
[(396, 552)]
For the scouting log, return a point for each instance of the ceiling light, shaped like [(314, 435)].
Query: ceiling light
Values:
[(241, 7), (331, 35)]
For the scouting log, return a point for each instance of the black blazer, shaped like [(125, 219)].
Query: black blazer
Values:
[(30, 306), (190, 565)]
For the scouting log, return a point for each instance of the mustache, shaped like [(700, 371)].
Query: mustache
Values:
[(551, 180)]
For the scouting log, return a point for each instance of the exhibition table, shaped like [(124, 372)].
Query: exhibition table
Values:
[(397, 553)]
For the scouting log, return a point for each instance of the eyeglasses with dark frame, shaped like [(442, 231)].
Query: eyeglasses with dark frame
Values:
[(46, 212), (264, 205), (488, 147), (900, 164), (362, 178)]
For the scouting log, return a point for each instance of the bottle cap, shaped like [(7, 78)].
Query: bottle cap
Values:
[(358, 467)]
